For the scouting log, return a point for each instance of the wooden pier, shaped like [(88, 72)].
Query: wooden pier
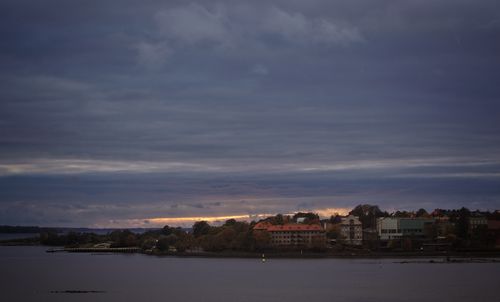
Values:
[(96, 250)]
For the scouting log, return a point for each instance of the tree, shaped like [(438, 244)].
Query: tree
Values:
[(184, 243), (222, 240), (367, 215), (230, 222), (50, 237), (309, 217), (334, 232), (462, 223), (278, 219), (148, 243), (318, 244), (402, 214), (482, 237), (201, 228), (72, 238), (422, 213), (162, 244), (334, 219), (123, 238), (166, 230), (262, 240)]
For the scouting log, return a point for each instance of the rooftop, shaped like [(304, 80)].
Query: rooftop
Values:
[(295, 227)]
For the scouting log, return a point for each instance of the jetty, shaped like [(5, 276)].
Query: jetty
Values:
[(95, 250)]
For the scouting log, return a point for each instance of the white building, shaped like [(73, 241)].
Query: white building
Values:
[(351, 230), (388, 228), (396, 227)]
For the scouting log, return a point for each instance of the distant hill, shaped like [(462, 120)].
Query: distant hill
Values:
[(19, 229), (9, 229)]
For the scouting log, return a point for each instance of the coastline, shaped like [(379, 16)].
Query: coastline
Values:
[(446, 256), (278, 255), (350, 254)]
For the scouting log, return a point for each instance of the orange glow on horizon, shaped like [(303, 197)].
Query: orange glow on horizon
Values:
[(188, 221), (327, 212), (177, 221), (202, 218)]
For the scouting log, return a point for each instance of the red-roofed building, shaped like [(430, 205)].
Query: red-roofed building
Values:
[(262, 226), (293, 235)]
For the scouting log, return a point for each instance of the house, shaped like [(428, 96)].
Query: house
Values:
[(351, 230)]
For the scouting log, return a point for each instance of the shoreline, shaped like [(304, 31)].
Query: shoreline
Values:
[(277, 255), (468, 254)]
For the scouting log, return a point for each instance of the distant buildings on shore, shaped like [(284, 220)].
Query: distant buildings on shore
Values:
[(292, 234), (351, 230), (439, 229), (396, 228)]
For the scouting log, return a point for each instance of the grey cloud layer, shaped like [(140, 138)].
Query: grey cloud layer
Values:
[(367, 98)]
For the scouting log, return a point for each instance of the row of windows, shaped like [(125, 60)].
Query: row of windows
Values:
[(412, 230), (395, 231), (351, 233), (478, 222), (293, 237), (390, 231), (286, 241), (296, 233)]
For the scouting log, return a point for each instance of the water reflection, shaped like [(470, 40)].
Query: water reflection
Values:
[(30, 274)]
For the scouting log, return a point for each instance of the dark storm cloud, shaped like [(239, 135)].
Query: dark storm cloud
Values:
[(136, 108)]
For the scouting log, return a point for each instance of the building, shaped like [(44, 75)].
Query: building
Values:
[(327, 225), (351, 230), (262, 226), (293, 235), (296, 235), (398, 227), (476, 222), (444, 228), (301, 219), (388, 228), (494, 228)]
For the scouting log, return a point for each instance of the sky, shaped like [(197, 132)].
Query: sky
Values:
[(144, 113)]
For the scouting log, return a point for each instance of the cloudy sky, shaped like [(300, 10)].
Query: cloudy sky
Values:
[(141, 113)]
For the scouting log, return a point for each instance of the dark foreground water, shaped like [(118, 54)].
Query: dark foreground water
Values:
[(10, 236), (30, 274)]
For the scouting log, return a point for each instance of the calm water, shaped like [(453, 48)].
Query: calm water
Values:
[(9, 236), (30, 274)]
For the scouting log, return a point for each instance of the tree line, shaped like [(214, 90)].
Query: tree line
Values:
[(239, 235)]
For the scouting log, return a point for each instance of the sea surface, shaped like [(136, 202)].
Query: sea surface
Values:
[(10, 236), (31, 274)]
